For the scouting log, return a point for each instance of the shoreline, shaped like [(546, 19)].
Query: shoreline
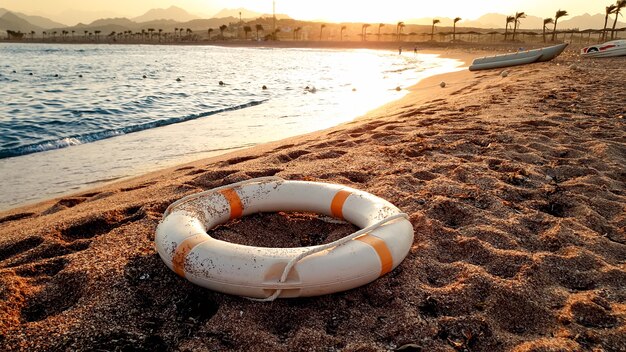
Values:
[(514, 186), (373, 45), (455, 54)]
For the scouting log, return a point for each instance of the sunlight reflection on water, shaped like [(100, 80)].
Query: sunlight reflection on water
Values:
[(93, 113)]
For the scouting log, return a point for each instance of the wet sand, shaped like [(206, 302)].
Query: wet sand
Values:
[(515, 186)]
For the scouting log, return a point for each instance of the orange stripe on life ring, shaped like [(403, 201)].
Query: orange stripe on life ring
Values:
[(386, 260), (236, 207), (180, 255), (336, 206)]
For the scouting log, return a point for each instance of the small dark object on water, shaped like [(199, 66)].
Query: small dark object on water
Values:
[(221, 83), (14, 71), (80, 76), (178, 79), (264, 87), (144, 76), (56, 75), (30, 73), (398, 88)]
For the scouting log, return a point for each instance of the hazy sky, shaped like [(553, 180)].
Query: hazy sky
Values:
[(329, 10)]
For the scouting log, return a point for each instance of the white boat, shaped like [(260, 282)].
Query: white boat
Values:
[(608, 49), (517, 58)]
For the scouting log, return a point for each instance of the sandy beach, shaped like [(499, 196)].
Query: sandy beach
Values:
[(515, 186)]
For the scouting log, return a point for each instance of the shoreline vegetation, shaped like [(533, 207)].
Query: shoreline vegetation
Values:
[(474, 37), (514, 185), (271, 28)]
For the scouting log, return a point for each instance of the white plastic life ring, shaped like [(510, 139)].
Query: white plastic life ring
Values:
[(267, 273)]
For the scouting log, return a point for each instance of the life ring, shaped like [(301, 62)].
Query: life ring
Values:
[(267, 273)]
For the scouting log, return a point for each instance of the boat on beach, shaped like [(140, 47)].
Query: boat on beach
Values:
[(517, 58), (608, 49)]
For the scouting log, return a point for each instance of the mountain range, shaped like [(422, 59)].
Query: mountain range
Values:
[(246, 14), (175, 17), (20, 22), (171, 13)]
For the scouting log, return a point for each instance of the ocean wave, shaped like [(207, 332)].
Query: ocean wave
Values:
[(96, 136)]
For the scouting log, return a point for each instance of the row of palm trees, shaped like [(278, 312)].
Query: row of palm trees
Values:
[(514, 20), (145, 34), (246, 30), (612, 10), (511, 21), (399, 27), (609, 10)]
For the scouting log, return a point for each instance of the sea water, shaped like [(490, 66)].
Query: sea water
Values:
[(73, 116)]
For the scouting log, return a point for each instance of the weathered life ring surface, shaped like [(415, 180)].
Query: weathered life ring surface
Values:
[(267, 273)]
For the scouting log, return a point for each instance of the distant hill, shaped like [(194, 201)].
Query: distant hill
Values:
[(10, 21), (279, 16), (445, 21), (497, 20), (72, 16), (588, 21), (171, 13), (119, 21), (245, 13), (204, 24), (38, 21)]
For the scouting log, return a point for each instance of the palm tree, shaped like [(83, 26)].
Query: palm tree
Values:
[(341, 33), (609, 11), (457, 19), (175, 30), (546, 21), (321, 29), (43, 34), (560, 14), (258, 27), (189, 33), (379, 26), (509, 19), (432, 30), (209, 31), (86, 34), (246, 30), (160, 33), (518, 15), (150, 33), (97, 33), (619, 5), (223, 28), (295, 32), (364, 31), (399, 27), (32, 35)]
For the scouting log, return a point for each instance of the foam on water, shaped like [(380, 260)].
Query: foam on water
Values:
[(55, 124)]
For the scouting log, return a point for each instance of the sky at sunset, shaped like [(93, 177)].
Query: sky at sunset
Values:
[(326, 10)]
